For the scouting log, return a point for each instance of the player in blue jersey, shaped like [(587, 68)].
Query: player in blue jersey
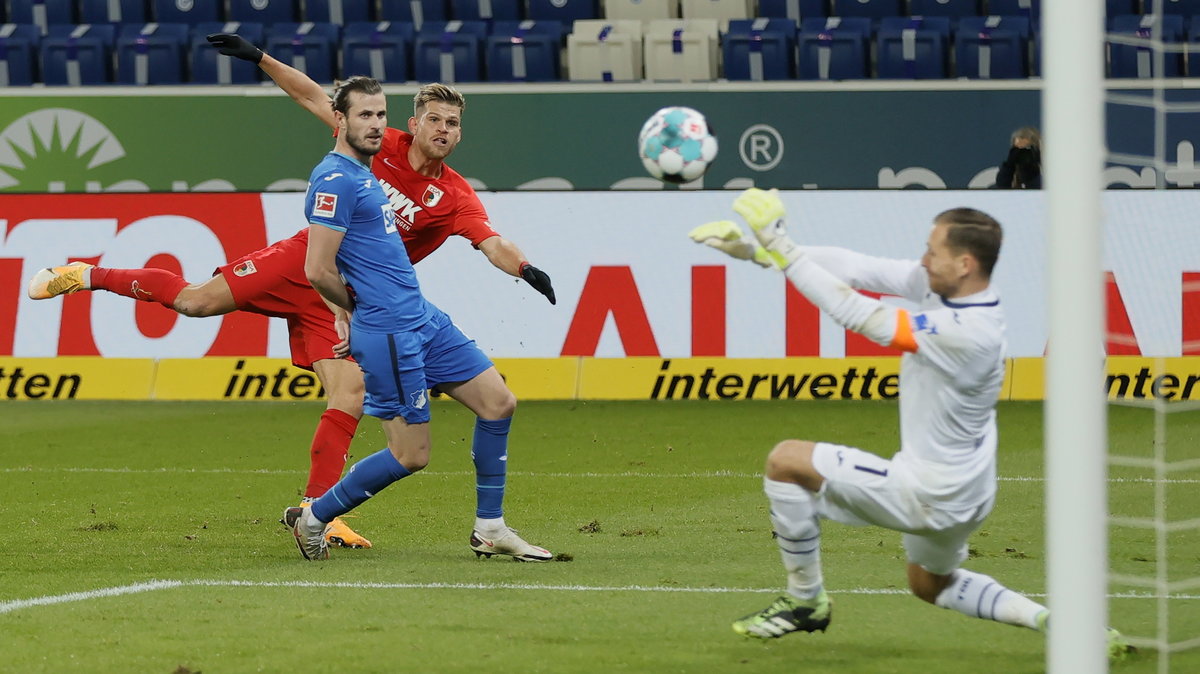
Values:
[(404, 344)]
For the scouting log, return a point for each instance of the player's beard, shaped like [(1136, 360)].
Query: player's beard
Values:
[(364, 146)]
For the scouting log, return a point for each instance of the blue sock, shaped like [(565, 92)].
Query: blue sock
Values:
[(365, 479), (489, 450)]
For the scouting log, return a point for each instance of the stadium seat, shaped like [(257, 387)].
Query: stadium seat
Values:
[(796, 10), (913, 47), (210, 67), (875, 9), (1125, 60), (599, 50), (1118, 7), (379, 49), (953, 8), (337, 12), (193, 12), (640, 10), (524, 51), (416, 12), (151, 53), (681, 50), (723, 11), (485, 10), (307, 47), (42, 13), (449, 51), (834, 48), (1185, 7), (263, 11), (18, 54), (565, 11), (1030, 9), (112, 11), (78, 55), (760, 49), (992, 47)]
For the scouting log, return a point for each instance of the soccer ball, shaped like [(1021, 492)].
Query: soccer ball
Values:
[(677, 145)]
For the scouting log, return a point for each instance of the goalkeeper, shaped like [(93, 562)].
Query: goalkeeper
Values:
[(941, 484)]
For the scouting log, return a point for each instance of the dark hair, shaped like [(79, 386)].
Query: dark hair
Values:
[(436, 91), (974, 232), (368, 86)]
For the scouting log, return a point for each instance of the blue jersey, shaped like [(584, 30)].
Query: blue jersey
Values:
[(344, 195)]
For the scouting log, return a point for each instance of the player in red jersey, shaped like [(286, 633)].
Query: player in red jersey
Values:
[(432, 202)]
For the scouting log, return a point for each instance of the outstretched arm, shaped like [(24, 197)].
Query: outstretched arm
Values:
[(299, 86), (508, 258)]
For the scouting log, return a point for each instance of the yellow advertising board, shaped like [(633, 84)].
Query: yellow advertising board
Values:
[(567, 378)]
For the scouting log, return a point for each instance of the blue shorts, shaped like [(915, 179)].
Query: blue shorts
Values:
[(398, 369)]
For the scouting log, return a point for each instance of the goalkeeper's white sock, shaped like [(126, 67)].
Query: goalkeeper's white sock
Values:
[(980, 596), (798, 533)]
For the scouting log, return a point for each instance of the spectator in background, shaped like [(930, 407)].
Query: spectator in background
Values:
[(1023, 168)]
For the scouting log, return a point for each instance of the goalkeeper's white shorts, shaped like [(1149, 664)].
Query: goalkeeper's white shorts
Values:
[(862, 488)]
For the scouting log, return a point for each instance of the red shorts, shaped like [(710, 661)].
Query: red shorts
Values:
[(272, 282)]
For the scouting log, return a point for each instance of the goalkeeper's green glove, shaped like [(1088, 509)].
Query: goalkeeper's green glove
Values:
[(232, 44), (727, 237), (764, 212)]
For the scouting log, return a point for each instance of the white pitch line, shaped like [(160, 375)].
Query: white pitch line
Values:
[(516, 473), (150, 586)]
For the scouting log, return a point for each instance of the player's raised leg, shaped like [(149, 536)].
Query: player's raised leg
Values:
[(493, 403), (209, 298)]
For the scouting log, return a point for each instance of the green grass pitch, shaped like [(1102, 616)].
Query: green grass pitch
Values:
[(657, 504)]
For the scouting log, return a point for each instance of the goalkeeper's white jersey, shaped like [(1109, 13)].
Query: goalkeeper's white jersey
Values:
[(950, 383)]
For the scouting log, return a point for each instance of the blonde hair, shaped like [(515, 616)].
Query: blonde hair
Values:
[(436, 91), (1030, 134)]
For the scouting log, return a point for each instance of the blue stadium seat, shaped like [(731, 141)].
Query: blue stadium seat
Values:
[(834, 48), (1030, 9), (875, 9), (760, 49), (1185, 7), (1117, 7), (18, 54), (913, 47), (524, 51), (379, 49), (189, 11), (486, 10), (340, 12), (449, 51), (151, 53), (210, 67), (263, 11), (954, 8), (796, 10), (1192, 62), (992, 47), (109, 11), (78, 55), (1140, 61), (42, 13), (308, 47), (416, 12)]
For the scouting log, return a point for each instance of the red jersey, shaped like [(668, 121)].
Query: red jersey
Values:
[(428, 210)]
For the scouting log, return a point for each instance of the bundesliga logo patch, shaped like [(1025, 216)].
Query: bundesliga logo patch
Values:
[(245, 269), (325, 204), (432, 196)]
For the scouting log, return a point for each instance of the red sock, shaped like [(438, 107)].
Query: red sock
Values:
[(330, 445), (147, 285)]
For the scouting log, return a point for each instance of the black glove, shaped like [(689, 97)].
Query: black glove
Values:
[(539, 279), (231, 44)]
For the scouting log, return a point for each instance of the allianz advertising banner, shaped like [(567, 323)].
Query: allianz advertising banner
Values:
[(791, 136), (642, 311)]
